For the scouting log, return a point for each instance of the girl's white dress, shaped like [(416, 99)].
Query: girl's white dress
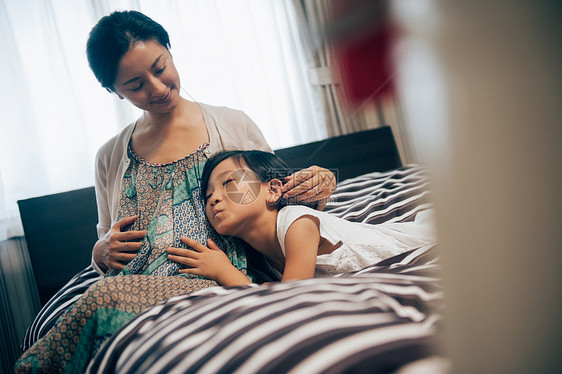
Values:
[(362, 244)]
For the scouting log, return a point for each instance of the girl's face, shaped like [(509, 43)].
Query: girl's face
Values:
[(234, 197), (147, 77)]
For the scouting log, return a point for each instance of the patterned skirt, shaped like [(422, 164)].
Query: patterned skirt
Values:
[(105, 307)]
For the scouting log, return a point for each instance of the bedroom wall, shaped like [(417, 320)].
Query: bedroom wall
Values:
[(482, 98)]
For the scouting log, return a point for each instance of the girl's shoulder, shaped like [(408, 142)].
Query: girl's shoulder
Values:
[(292, 209), (289, 214)]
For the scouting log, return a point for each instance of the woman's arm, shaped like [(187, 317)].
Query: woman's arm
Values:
[(301, 248), (209, 262), (313, 184), (115, 247)]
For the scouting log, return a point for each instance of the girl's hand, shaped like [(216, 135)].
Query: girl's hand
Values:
[(117, 248), (309, 185), (207, 261)]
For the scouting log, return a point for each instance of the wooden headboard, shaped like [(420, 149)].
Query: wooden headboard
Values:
[(60, 229)]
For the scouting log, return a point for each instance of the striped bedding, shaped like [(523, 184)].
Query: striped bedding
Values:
[(377, 319), (392, 196), (58, 304)]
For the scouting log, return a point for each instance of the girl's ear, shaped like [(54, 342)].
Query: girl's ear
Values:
[(275, 190)]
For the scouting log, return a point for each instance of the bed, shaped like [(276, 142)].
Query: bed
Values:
[(384, 318)]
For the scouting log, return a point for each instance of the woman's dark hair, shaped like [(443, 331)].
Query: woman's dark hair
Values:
[(265, 165), (113, 36)]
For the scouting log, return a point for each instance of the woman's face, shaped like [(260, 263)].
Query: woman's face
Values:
[(147, 77)]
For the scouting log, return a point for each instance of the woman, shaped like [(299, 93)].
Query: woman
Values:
[(147, 189), (129, 54)]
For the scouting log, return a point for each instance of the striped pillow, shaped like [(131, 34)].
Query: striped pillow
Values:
[(368, 322), (58, 304), (391, 196)]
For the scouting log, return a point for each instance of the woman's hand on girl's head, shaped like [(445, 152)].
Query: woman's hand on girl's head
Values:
[(309, 185), (207, 261), (117, 248)]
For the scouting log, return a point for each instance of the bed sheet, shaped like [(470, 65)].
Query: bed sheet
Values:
[(373, 321)]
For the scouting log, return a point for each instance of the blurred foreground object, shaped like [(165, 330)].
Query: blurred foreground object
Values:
[(362, 33)]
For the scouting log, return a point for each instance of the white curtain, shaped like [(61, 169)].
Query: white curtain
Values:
[(245, 54), (312, 16)]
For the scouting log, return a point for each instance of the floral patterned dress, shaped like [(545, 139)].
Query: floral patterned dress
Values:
[(167, 200)]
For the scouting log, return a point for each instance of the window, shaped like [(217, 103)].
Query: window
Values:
[(245, 54)]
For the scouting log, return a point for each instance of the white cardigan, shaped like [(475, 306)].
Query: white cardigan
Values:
[(228, 129)]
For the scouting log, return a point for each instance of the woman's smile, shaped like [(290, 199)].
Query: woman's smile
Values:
[(165, 100)]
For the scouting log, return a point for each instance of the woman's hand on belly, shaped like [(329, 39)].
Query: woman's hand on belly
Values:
[(117, 248)]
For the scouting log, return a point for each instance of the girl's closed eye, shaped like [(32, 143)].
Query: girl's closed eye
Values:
[(137, 88), (208, 195)]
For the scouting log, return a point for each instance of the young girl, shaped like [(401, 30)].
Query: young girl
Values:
[(243, 198)]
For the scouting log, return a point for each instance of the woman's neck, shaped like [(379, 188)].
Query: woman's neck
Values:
[(167, 137), (183, 114)]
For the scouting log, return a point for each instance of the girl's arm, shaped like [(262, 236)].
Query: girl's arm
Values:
[(301, 248), (209, 262)]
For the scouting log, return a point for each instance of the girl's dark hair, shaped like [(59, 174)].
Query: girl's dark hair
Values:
[(265, 165), (113, 36)]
